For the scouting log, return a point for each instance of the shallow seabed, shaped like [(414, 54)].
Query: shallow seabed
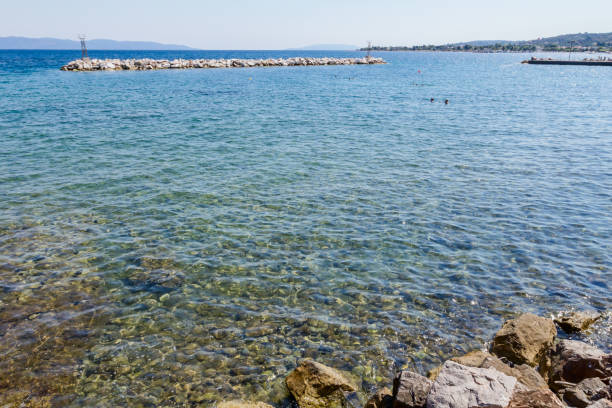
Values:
[(179, 237)]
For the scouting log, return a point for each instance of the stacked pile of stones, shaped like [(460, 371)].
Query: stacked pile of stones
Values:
[(151, 64), (526, 367)]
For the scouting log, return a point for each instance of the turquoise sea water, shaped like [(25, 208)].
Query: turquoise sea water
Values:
[(172, 238)]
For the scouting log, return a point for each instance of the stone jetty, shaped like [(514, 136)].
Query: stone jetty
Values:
[(147, 64)]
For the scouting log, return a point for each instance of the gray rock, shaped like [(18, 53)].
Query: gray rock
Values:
[(573, 361), (524, 373), (525, 340), (577, 321), (586, 392), (459, 386), (410, 390)]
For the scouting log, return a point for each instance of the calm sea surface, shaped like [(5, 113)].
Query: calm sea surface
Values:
[(173, 238)]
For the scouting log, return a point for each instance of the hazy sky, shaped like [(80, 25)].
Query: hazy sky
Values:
[(278, 24)]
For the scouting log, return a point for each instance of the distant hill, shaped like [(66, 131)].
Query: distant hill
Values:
[(25, 43), (565, 40), (326, 47), (596, 42)]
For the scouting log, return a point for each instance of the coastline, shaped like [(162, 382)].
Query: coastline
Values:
[(526, 365)]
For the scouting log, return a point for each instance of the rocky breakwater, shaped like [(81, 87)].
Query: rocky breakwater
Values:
[(147, 64), (525, 367)]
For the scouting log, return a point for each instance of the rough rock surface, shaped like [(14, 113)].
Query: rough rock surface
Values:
[(573, 361), (314, 385), (524, 340), (382, 399), (151, 64), (243, 404), (601, 404), (459, 386), (524, 373), (586, 392), (577, 321), (410, 390), (535, 399)]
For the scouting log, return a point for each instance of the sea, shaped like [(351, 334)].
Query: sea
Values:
[(181, 237)]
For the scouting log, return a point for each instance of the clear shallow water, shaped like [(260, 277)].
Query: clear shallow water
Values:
[(178, 237)]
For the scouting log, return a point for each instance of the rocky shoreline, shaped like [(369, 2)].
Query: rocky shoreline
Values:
[(526, 366), (148, 64)]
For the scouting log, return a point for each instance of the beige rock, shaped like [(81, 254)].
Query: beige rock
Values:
[(577, 321), (314, 385), (535, 399), (525, 340)]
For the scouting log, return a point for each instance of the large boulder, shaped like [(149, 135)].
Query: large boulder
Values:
[(243, 404), (524, 340), (410, 390), (381, 399), (577, 321), (535, 399), (314, 385), (459, 386), (573, 361)]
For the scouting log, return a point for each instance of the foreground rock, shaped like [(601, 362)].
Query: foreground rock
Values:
[(535, 399), (242, 404), (314, 385), (586, 392), (577, 321), (148, 64), (410, 390), (459, 386), (525, 340), (573, 361), (382, 399)]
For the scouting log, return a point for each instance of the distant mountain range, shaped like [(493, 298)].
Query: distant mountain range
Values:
[(24, 43), (326, 47)]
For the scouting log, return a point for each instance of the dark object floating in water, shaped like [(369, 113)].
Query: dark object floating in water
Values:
[(550, 61)]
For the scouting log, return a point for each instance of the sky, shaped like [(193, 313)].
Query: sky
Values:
[(281, 24)]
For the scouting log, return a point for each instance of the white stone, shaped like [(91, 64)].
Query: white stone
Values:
[(459, 386)]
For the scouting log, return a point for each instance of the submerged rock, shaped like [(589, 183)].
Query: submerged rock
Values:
[(535, 399), (381, 399), (459, 386), (577, 321), (410, 390), (314, 385), (524, 340), (243, 404)]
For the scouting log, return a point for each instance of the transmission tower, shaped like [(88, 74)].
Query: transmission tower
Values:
[(84, 55)]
